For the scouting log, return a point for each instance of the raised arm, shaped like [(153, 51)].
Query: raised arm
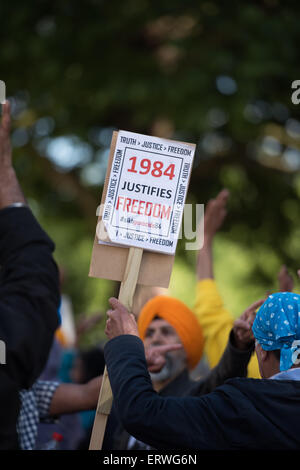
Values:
[(215, 214), (29, 288), (285, 280), (215, 320), (10, 190)]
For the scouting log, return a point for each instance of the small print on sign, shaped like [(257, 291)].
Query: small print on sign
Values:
[(146, 191)]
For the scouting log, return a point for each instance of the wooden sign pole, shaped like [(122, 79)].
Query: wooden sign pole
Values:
[(126, 294)]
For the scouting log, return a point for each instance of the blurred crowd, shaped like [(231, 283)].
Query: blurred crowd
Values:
[(181, 378)]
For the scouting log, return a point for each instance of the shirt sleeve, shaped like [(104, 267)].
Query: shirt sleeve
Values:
[(44, 391), (214, 318)]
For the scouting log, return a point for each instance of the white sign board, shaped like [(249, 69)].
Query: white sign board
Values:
[(146, 191)]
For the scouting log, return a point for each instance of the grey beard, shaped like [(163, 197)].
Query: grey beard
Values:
[(170, 370)]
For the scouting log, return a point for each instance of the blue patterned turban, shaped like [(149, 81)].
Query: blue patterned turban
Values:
[(277, 326)]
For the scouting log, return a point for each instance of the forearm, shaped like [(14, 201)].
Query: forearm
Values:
[(235, 359), (214, 215), (71, 398), (215, 319), (10, 190), (204, 268)]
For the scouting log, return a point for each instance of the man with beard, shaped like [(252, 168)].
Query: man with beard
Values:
[(242, 414), (173, 342)]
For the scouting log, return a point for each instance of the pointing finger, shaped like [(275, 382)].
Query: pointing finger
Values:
[(166, 348)]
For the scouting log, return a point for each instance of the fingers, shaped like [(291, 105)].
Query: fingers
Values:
[(249, 314), (155, 355), (110, 313), (108, 327), (5, 147), (166, 348), (156, 365), (218, 205), (255, 305), (239, 323), (283, 270), (286, 282), (116, 304), (5, 125), (209, 206), (6, 107), (223, 195), (113, 302), (119, 320)]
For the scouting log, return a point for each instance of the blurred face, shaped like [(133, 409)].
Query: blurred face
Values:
[(161, 333)]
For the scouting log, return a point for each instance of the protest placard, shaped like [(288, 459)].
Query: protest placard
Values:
[(146, 191), (138, 226)]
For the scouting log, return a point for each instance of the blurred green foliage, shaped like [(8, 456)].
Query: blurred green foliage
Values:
[(213, 73)]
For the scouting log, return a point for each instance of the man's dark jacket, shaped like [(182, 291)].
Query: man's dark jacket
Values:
[(29, 300), (241, 414), (233, 363)]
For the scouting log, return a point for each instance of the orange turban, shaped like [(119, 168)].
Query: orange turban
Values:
[(181, 318)]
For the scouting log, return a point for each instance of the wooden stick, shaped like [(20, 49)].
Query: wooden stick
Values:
[(126, 294)]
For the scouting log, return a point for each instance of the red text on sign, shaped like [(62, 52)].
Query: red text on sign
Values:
[(156, 168), (135, 206)]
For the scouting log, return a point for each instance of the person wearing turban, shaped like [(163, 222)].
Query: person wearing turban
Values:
[(166, 322), (241, 414), (276, 329)]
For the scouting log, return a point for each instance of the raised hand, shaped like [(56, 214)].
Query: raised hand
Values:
[(215, 214), (242, 327), (120, 321), (5, 145), (286, 283), (156, 355), (10, 190)]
